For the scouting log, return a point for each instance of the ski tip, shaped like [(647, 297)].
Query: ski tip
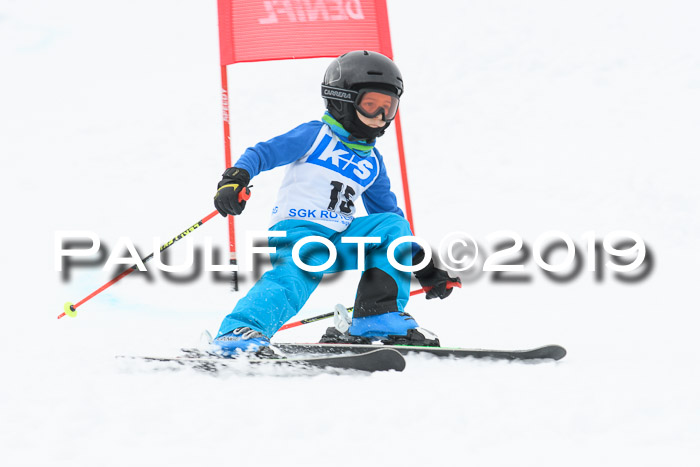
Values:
[(557, 352), (546, 352), (372, 361), (394, 358)]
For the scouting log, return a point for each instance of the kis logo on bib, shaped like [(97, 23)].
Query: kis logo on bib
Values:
[(339, 159)]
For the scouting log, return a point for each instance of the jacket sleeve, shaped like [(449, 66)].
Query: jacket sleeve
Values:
[(378, 197), (280, 150)]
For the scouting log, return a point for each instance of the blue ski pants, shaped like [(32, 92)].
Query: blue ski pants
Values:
[(282, 292)]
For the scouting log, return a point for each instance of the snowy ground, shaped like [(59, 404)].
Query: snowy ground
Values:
[(526, 116)]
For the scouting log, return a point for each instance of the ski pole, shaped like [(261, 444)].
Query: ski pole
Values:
[(70, 309), (330, 314), (308, 320), (450, 285)]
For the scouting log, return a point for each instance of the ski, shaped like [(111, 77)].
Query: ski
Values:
[(370, 361), (547, 352)]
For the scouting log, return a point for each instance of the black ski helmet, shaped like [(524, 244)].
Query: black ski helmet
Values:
[(354, 71)]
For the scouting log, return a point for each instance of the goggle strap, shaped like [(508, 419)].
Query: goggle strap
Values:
[(338, 94)]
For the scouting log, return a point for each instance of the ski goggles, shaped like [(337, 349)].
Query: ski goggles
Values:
[(369, 102)]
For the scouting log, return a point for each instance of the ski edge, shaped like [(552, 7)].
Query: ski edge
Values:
[(371, 361), (545, 352)]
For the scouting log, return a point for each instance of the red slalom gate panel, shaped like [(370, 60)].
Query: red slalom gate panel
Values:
[(260, 30)]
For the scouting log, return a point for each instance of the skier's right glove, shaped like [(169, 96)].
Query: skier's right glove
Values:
[(233, 192), (434, 280)]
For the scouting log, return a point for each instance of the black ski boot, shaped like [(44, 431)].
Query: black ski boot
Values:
[(416, 336)]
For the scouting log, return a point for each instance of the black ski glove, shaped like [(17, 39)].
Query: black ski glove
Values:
[(233, 192), (435, 279)]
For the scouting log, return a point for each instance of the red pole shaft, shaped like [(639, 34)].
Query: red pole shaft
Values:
[(404, 172), (427, 289), (107, 285), (305, 321), (227, 126), (233, 260)]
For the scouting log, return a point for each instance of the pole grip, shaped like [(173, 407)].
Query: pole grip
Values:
[(244, 195)]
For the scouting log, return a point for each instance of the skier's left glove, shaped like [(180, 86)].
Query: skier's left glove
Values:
[(434, 279), (233, 191)]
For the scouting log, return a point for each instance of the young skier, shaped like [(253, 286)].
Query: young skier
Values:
[(331, 164)]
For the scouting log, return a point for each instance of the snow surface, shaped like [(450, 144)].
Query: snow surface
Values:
[(526, 116)]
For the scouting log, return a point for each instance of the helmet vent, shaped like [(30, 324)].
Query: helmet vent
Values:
[(377, 73)]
